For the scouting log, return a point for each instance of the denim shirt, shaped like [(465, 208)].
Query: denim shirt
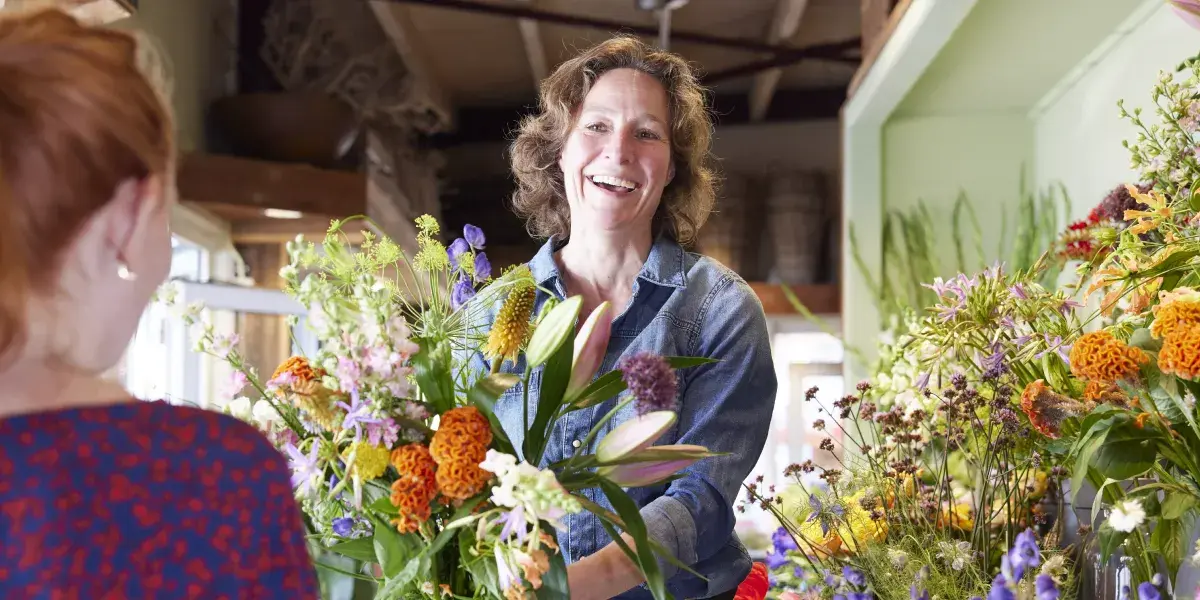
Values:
[(683, 304)]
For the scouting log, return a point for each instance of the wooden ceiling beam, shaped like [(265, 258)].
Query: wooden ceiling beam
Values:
[(535, 49), (397, 24), (783, 26), (210, 179)]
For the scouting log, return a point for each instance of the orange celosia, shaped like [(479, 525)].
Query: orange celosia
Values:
[(1180, 353), (1100, 356), (461, 479), (469, 420), (415, 488), (455, 444), (300, 369), (1046, 408), (1174, 315)]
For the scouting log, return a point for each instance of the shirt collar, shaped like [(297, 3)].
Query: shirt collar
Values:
[(664, 266)]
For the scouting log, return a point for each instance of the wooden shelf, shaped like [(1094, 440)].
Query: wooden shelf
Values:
[(821, 299)]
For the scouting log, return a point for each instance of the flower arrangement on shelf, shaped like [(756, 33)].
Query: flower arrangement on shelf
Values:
[(998, 396), (397, 458)]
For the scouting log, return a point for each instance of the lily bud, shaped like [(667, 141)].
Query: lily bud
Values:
[(646, 473), (1188, 10), (634, 435), (590, 346)]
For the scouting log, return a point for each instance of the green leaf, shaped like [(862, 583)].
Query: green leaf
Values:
[(556, 376), (1177, 504), (1171, 262), (1125, 454), (554, 581), (482, 568), (687, 362), (636, 528), (393, 549), (384, 505), (1168, 538), (1080, 472), (448, 532), (359, 549), (552, 332), (432, 371), (604, 387), (394, 587), (1110, 539), (483, 397)]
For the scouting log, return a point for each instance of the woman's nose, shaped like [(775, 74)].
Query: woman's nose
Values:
[(620, 147)]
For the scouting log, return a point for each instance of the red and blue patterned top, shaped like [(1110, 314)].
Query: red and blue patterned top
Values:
[(146, 500)]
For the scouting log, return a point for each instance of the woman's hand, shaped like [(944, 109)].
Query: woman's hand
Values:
[(604, 574)]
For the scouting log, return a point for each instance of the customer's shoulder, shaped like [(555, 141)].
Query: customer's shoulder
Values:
[(222, 437)]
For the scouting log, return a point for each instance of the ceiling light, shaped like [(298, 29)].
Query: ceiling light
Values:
[(279, 213)]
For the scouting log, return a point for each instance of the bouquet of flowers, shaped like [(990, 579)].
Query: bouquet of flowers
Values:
[(397, 458)]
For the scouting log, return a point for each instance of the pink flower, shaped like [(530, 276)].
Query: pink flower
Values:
[(222, 345), (284, 378), (590, 347), (348, 373), (1188, 10), (386, 431), (235, 385)]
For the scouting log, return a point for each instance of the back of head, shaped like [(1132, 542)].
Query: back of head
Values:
[(78, 118)]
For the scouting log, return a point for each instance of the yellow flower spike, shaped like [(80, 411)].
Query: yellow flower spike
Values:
[(366, 461), (512, 323)]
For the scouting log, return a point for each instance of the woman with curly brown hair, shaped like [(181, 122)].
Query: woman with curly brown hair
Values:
[(615, 172)]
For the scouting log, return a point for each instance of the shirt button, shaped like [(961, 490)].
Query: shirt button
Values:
[(576, 444)]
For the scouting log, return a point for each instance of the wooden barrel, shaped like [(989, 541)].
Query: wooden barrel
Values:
[(724, 236), (796, 221)]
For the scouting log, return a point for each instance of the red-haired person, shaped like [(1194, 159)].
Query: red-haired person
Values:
[(103, 496)]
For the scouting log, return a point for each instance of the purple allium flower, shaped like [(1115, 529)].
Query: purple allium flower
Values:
[(474, 236), (1114, 205), (938, 286), (457, 248), (1047, 590), (343, 526), (461, 294), (483, 267), (650, 380), (853, 577)]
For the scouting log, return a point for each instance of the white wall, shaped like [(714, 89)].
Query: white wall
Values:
[(932, 158), (1077, 137)]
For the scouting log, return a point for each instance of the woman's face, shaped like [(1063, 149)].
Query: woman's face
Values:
[(617, 157)]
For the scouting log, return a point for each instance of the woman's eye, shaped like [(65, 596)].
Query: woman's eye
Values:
[(649, 135), (596, 127)]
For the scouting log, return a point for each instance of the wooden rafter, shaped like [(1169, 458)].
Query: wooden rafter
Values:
[(535, 50), (783, 26), (397, 23), (874, 45)]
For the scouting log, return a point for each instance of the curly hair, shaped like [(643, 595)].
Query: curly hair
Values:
[(686, 201)]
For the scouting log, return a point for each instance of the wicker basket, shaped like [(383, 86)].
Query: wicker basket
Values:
[(796, 221), (724, 236)]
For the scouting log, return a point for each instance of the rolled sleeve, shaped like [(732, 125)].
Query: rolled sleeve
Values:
[(726, 406)]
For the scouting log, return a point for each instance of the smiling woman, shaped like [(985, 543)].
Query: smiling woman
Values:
[(615, 172)]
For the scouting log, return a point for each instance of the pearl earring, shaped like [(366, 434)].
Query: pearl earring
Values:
[(124, 273)]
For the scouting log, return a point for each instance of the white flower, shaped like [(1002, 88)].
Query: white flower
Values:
[(955, 554), (427, 587), (1196, 554), (1127, 516), (898, 558), (240, 408), (266, 416), (498, 463), (223, 344)]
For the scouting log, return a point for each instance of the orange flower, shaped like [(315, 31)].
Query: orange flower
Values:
[(1047, 409), (415, 488), (1100, 356), (1180, 353), (1103, 392), (300, 369), (461, 479), (455, 444), (470, 420), (1174, 315)]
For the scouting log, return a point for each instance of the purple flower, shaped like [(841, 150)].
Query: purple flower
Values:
[(384, 432), (938, 286), (483, 268), (457, 248), (1001, 590), (1067, 306), (474, 236), (774, 560), (358, 413), (783, 542), (923, 381), (853, 577), (1018, 290), (1008, 322), (343, 526), (305, 469), (1055, 344), (514, 524), (1047, 590), (1024, 554), (650, 380), (1146, 591), (860, 596), (461, 294)]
